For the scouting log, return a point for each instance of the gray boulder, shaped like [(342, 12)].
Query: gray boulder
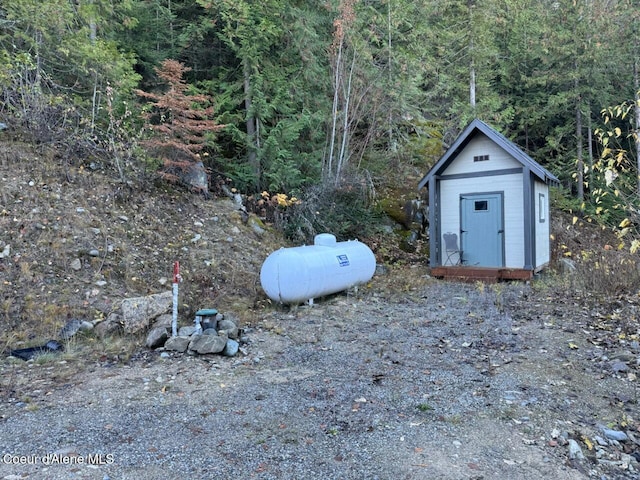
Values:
[(186, 331), (108, 326), (137, 313), (177, 344), (164, 320), (156, 337), (208, 343), (229, 326)]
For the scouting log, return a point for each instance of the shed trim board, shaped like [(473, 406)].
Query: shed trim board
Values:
[(481, 161), (488, 173)]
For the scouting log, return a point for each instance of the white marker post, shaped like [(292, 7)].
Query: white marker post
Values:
[(176, 280)]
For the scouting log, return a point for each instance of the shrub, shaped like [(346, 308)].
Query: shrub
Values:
[(345, 211)]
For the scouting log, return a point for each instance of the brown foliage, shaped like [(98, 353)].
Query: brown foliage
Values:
[(180, 124)]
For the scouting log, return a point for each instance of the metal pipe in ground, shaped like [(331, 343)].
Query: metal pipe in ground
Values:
[(176, 281)]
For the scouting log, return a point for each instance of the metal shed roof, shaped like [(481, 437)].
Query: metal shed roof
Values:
[(503, 142)]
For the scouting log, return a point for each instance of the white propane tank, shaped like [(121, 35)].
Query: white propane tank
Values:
[(298, 274)]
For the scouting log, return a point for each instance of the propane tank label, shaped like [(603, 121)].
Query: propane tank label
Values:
[(343, 260)]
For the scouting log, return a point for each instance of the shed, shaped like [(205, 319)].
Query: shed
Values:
[(495, 199)]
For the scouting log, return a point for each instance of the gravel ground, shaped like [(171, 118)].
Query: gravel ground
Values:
[(451, 381)]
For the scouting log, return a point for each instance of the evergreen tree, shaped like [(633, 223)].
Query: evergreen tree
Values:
[(182, 127), (54, 54), (273, 101)]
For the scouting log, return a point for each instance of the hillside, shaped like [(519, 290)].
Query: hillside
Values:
[(76, 241)]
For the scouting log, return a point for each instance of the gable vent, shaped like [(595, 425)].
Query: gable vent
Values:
[(481, 158)]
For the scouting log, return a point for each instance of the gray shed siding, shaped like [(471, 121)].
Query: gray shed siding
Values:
[(523, 183)]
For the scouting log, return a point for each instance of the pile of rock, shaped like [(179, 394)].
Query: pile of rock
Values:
[(219, 334)]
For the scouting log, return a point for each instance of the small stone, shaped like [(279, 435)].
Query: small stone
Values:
[(567, 265), (138, 312), (76, 264), (600, 441), (124, 218), (86, 326), (575, 452), (94, 252), (256, 225), (231, 348), (70, 329), (95, 231), (80, 210), (101, 283), (165, 355), (615, 435), (619, 366), (6, 251)]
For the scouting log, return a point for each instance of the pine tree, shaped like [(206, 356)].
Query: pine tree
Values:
[(182, 126)]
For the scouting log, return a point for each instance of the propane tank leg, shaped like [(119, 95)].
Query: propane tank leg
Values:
[(311, 302)]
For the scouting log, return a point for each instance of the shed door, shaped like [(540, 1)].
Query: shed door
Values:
[(482, 230)]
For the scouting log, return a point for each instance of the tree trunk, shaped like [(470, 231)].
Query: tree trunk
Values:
[(472, 87), (590, 148), (580, 162), (334, 113), (579, 140), (252, 141), (472, 66), (343, 157), (636, 110)]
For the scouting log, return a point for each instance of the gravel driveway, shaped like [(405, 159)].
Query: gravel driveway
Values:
[(452, 381)]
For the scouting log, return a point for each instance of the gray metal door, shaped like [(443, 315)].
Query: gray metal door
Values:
[(482, 229)]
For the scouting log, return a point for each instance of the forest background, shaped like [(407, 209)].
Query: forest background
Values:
[(314, 106)]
